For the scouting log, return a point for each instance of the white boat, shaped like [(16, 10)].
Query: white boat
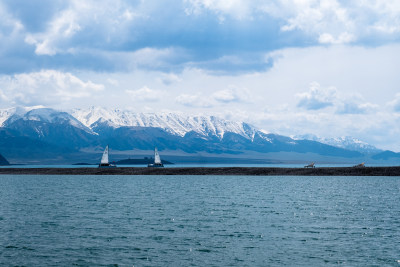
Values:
[(104, 160), (157, 160)]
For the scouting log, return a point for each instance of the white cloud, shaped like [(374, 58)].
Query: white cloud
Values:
[(226, 96), (107, 21), (11, 31), (3, 96), (395, 103), (324, 19), (232, 94), (343, 38), (62, 28), (368, 72), (196, 100), (378, 128), (125, 35), (317, 97), (9, 25), (339, 22), (328, 21), (239, 9), (145, 94), (382, 15), (354, 106), (113, 82), (46, 87), (129, 15), (351, 107), (169, 78), (151, 57)]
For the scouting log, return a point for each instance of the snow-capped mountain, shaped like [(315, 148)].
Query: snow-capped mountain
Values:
[(50, 132), (56, 129), (346, 142), (44, 115), (5, 114), (170, 122)]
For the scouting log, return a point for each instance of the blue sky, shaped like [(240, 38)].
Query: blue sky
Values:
[(291, 67)]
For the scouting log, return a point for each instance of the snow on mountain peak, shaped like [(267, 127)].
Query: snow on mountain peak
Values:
[(44, 115), (171, 122), (5, 114), (346, 142), (174, 123)]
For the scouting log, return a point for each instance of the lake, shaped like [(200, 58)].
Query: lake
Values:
[(199, 221)]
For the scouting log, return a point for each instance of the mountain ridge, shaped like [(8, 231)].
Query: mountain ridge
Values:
[(171, 122), (3, 161), (90, 129), (346, 142)]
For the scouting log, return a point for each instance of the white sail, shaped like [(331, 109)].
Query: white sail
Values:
[(104, 159), (157, 159)]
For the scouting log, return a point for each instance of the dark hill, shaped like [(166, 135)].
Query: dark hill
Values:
[(3, 161), (385, 155)]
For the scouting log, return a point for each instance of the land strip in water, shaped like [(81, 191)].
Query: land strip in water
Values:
[(255, 171)]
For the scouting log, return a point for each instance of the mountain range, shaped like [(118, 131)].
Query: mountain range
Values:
[(44, 135)]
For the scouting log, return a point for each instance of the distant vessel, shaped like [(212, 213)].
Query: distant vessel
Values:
[(361, 165), (157, 160), (104, 160), (311, 165)]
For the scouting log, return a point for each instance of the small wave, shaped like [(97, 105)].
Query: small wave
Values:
[(204, 250)]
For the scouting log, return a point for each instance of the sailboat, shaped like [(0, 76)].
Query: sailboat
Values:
[(104, 160), (157, 160)]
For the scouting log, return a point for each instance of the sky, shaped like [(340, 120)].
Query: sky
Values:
[(291, 67)]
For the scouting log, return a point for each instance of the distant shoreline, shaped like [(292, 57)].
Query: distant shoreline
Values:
[(251, 171)]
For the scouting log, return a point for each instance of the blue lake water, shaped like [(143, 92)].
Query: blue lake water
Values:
[(199, 221)]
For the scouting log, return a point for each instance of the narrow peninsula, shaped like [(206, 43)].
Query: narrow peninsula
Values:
[(251, 171)]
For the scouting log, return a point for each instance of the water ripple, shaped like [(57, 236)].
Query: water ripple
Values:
[(199, 221)]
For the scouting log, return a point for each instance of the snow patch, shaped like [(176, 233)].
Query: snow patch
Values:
[(346, 142), (171, 122)]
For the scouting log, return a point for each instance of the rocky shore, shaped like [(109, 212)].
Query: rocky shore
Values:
[(255, 171)]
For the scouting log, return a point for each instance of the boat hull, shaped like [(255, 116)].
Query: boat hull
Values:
[(156, 165), (107, 165)]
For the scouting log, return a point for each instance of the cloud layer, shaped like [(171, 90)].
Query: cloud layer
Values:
[(48, 87), (317, 98), (217, 35), (327, 67)]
